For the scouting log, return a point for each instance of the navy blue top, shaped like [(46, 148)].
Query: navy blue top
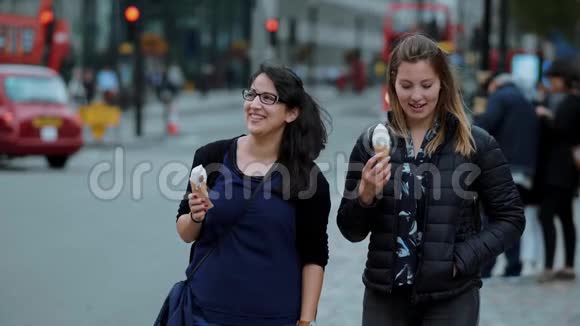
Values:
[(254, 275)]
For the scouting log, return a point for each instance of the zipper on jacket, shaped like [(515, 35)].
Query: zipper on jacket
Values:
[(395, 234), (429, 193), (422, 242)]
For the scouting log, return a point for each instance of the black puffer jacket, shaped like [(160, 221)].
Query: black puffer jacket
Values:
[(451, 224)]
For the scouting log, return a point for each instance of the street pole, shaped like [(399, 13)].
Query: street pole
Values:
[(485, 31), (139, 86), (114, 39), (503, 31), (313, 28), (88, 9), (461, 20), (136, 29)]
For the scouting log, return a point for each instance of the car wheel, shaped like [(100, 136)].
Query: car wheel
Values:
[(57, 162)]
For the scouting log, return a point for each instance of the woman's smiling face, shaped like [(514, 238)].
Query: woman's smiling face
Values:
[(417, 87), (265, 119)]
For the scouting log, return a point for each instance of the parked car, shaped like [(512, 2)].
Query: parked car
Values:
[(35, 115)]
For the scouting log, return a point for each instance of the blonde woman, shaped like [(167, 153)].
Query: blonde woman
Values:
[(420, 202)]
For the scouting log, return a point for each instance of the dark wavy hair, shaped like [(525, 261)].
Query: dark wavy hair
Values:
[(303, 138)]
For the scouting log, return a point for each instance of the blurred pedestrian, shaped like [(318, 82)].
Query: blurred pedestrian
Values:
[(205, 78), (108, 84), (175, 77), (270, 250), (76, 88), (511, 119), (89, 84), (560, 177), (358, 72), (426, 244), (166, 90)]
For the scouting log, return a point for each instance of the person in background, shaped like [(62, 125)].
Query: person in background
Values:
[(76, 88), (89, 84), (108, 84), (175, 77), (511, 119), (560, 176)]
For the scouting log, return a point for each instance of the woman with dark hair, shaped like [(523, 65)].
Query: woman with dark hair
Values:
[(420, 201), (558, 180), (260, 252)]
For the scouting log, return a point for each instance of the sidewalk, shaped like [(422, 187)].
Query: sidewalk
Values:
[(521, 301)]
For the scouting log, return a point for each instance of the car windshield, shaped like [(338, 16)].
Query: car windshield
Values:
[(26, 89)]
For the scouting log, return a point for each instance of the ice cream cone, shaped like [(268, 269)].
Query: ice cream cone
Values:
[(382, 149), (381, 140), (198, 180)]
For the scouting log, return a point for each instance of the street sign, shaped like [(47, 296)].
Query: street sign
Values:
[(99, 117)]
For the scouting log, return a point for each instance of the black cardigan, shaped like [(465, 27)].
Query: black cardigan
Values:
[(311, 213)]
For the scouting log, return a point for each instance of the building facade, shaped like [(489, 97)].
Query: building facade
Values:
[(315, 35), (223, 40), (205, 37), (195, 34)]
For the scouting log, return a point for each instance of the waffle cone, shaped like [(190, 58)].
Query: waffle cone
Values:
[(385, 149)]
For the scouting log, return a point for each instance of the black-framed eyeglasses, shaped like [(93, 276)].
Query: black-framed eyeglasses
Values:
[(265, 98)]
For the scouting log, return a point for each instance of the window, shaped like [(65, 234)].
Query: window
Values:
[(20, 7), (24, 89), (3, 32), (27, 40)]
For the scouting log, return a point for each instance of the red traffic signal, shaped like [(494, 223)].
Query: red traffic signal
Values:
[(132, 14), (46, 17), (272, 25)]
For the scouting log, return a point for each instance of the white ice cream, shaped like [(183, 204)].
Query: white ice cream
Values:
[(198, 174), (381, 137)]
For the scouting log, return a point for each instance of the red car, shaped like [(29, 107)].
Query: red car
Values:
[(35, 115)]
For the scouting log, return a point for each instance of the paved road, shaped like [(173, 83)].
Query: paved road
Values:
[(79, 251)]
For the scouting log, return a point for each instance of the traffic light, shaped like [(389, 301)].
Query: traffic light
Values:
[(132, 15), (47, 22), (46, 16), (272, 26), (134, 25)]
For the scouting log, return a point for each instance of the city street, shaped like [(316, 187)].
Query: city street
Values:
[(95, 244)]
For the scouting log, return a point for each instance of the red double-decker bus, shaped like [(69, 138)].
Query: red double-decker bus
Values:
[(36, 38), (432, 19)]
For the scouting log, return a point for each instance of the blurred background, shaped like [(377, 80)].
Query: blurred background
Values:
[(102, 104)]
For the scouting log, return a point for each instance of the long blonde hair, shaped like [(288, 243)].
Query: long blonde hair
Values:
[(416, 48)]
